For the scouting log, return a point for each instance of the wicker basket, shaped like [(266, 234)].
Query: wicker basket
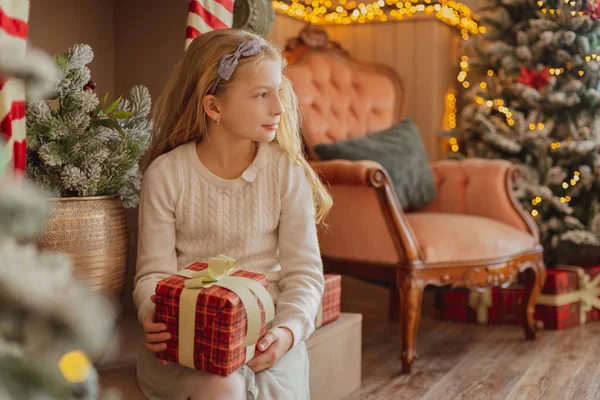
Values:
[(93, 232)]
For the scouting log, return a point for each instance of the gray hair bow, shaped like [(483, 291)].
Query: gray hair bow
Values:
[(228, 62)]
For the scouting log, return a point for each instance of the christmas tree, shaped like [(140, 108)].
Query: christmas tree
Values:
[(534, 99), (78, 146), (49, 324)]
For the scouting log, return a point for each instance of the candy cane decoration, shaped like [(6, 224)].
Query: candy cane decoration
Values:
[(207, 15)]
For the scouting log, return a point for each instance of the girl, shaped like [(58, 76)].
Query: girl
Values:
[(226, 175)]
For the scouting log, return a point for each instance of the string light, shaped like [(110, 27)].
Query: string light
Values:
[(450, 115), (454, 145), (573, 181), (553, 11), (498, 105), (565, 199), (450, 119), (318, 12)]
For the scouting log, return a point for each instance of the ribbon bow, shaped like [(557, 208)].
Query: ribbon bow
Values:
[(229, 62), (218, 267)]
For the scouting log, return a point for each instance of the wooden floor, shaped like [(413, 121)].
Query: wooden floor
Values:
[(467, 361)]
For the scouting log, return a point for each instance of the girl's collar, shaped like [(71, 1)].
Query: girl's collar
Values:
[(261, 160)]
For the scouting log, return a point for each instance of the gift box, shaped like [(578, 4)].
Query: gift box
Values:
[(570, 297), (329, 309), (495, 307), (215, 315), (454, 305)]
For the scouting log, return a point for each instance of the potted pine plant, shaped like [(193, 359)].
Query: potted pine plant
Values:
[(84, 152)]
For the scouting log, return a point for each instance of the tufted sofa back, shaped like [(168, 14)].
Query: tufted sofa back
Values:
[(340, 98)]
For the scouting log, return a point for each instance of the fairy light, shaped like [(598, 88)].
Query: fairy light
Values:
[(497, 104), (565, 199), (450, 114), (450, 118), (555, 145), (454, 145), (534, 213), (317, 12)]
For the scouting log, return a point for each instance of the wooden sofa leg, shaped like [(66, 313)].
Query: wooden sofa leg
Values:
[(534, 275), (411, 298)]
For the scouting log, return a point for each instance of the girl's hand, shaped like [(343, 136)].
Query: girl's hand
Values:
[(156, 334), (274, 345)]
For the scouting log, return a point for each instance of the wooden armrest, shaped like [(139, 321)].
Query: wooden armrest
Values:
[(372, 174), (344, 172)]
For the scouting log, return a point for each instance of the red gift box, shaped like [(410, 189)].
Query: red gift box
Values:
[(217, 341), (330, 307), (455, 305), (569, 298), (503, 307)]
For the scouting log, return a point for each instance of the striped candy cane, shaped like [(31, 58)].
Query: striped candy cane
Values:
[(13, 35), (206, 15)]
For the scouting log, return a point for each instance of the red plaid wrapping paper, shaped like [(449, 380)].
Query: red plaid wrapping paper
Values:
[(560, 282), (332, 299), (221, 323), (455, 305), (507, 304)]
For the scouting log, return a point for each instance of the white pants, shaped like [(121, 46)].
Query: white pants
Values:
[(287, 380)]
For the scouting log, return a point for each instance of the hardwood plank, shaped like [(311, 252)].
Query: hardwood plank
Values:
[(585, 382), (550, 375), (467, 361), (479, 376), (440, 347)]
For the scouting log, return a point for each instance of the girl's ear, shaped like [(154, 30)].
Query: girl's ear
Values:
[(211, 107)]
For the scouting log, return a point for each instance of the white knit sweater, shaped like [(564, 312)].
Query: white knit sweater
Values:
[(264, 219)]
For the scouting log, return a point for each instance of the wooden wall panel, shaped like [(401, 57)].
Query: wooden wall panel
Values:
[(420, 49)]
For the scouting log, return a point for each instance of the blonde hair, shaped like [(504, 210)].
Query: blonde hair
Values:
[(179, 115)]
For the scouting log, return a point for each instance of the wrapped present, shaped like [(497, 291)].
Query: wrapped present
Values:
[(494, 306), (329, 309), (215, 315), (454, 306), (570, 297)]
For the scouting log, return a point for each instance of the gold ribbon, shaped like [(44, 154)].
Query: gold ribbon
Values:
[(480, 302), (219, 273), (587, 294)]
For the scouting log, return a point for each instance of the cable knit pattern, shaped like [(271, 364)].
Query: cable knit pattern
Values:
[(264, 219)]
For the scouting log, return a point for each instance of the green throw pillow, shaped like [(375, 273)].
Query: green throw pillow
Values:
[(400, 151)]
